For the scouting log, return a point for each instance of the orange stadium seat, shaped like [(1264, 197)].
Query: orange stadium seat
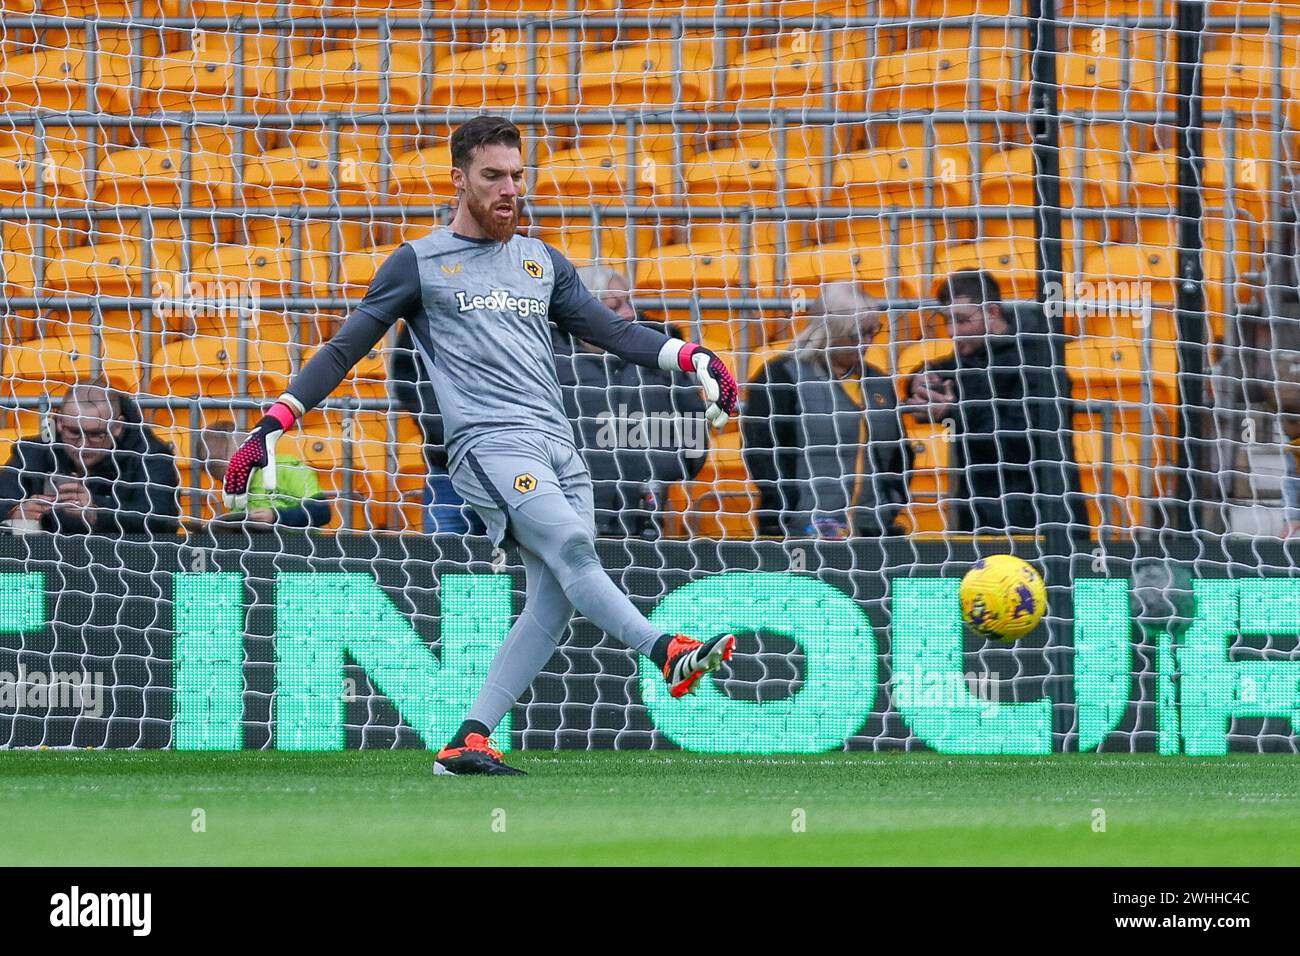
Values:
[(930, 477), (600, 169), (749, 175), (8, 438), (746, 163), (56, 80), (1111, 467), (168, 234), (1097, 9), (1008, 181), (1012, 262), (1239, 76), (907, 179), (153, 175), (1154, 184), (353, 77), (692, 271), (721, 500), (44, 366), (230, 321), (1114, 369), (731, 8), (406, 489), (356, 269), (583, 245), (1106, 370), (302, 174), (369, 8), (667, 8), (869, 265), (19, 234), (365, 380), (210, 368), (817, 143), (148, 176), (946, 78), (265, 9), (204, 77), (1237, 9), (643, 74), (915, 356), (59, 179), (499, 74), (421, 177), (260, 272), (23, 251), (702, 269), (405, 8), (957, 8), (112, 268), (744, 175), (801, 70), (1098, 78), (1153, 187), (1114, 71), (106, 38), (843, 8), (1121, 281), (268, 270)]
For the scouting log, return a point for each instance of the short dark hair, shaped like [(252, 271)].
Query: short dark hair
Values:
[(482, 131), (977, 285)]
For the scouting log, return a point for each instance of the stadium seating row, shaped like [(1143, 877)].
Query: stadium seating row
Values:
[(1114, 70), (791, 8)]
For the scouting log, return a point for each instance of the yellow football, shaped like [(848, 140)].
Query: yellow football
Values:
[(1003, 597)]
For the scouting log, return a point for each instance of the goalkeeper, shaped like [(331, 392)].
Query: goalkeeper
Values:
[(477, 298)]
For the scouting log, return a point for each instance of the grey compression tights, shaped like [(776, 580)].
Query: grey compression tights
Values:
[(563, 573)]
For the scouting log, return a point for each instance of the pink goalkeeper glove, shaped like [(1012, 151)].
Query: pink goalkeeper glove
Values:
[(258, 452), (714, 377)]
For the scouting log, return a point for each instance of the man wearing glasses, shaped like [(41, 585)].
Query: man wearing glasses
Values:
[(103, 473)]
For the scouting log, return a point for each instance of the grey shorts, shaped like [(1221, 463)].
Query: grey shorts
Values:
[(501, 472)]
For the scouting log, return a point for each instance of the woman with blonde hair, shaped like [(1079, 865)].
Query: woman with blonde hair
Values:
[(822, 436)]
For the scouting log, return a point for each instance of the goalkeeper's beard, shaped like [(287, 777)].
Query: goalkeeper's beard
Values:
[(486, 217)]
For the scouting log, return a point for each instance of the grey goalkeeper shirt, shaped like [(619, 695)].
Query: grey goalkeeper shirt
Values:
[(480, 314)]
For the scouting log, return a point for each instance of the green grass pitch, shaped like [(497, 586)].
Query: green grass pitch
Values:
[(384, 807)]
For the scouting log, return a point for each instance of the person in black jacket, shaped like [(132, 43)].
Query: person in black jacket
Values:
[(105, 472), (822, 437), (980, 391), (637, 428)]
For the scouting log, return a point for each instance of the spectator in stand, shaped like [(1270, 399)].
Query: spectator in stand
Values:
[(822, 437), (297, 502), (638, 429), (979, 391), (104, 472)]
